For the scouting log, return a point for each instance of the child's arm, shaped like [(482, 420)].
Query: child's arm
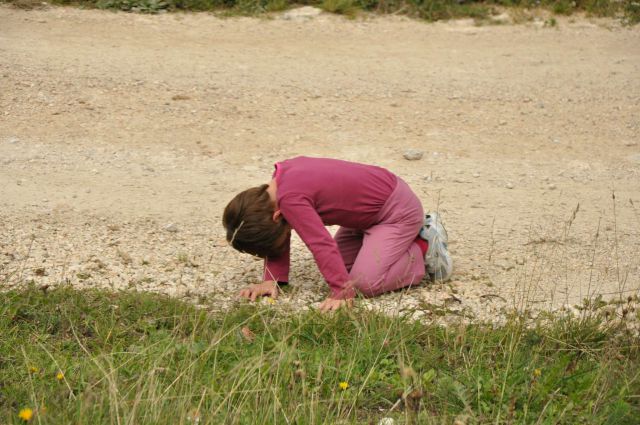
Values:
[(277, 269), (304, 219)]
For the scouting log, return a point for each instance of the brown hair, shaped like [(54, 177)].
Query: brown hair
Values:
[(248, 219)]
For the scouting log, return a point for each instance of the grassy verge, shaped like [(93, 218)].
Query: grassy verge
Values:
[(430, 10), (69, 356)]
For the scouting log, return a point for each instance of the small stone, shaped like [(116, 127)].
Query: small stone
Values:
[(413, 154), (503, 122), (551, 186), (509, 185), (171, 227), (504, 265), (630, 143), (476, 175)]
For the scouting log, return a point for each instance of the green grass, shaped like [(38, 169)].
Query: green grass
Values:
[(135, 358), (430, 10)]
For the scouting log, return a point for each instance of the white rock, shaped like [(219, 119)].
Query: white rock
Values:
[(171, 227), (301, 13), (509, 185), (503, 18), (413, 154), (634, 158)]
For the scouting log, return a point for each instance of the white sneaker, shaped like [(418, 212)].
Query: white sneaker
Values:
[(437, 259)]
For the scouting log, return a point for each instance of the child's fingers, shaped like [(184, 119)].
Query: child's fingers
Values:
[(325, 306), (254, 294), (333, 305)]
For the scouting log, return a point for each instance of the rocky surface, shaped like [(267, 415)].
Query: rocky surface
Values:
[(118, 154)]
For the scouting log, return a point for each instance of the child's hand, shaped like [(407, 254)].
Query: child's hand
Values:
[(269, 288), (331, 304)]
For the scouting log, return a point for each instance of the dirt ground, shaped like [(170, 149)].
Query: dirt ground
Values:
[(123, 136)]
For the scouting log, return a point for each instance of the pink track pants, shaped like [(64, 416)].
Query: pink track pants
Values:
[(385, 256)]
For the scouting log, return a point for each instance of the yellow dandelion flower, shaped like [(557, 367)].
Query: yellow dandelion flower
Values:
[(537, 373), (59, 376), (33, 369), (343, 385), (25, 414), (269, 300)]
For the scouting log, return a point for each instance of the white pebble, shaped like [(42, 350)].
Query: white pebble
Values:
[(171, 227)]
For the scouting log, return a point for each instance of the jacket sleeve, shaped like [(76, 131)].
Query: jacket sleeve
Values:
[(300, 213), (277, 269)]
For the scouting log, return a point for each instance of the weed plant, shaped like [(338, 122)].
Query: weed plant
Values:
[(90, 357)]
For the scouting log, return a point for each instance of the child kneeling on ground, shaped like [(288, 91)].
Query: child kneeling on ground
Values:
[(384, 241)]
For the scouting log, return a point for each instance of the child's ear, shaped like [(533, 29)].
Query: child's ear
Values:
[(277, 216)]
